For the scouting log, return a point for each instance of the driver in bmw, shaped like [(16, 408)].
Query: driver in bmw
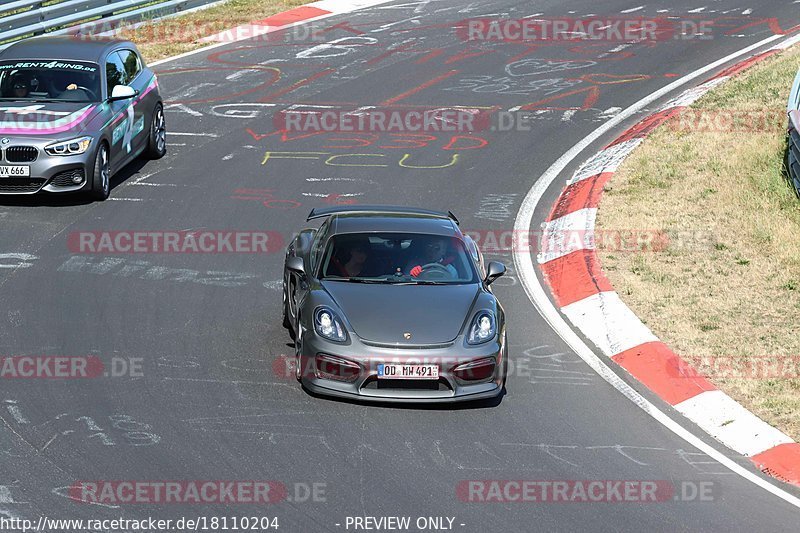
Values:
[(82, 80), (20, 86), (434, 252)]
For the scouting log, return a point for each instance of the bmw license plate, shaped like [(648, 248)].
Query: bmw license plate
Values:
[(395, 371), (14, 172)]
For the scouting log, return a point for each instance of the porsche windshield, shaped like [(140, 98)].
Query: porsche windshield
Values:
[(36, 81), (410, 258)]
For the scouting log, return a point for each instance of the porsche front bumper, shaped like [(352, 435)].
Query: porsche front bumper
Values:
[(366, 386)]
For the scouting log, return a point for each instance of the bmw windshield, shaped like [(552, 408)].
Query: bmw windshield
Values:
[(49, 81), (409, 258)]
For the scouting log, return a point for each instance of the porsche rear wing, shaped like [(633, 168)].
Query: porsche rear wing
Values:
[(377, 210)]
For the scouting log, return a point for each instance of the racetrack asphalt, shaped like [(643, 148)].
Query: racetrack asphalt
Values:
[(211, 402)]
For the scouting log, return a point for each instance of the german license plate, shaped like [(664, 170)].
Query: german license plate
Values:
[(395, 371), (14, 172)]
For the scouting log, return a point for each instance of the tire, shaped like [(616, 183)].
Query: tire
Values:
[(101, 174), (286, 323), (298, 362), (157, 140)]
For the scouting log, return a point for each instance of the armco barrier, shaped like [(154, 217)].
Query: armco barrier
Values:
[(28, 18)]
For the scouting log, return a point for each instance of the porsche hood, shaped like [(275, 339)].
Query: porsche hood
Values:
[(431, 314)]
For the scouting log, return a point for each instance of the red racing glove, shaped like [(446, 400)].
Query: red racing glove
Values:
[(416, 271)]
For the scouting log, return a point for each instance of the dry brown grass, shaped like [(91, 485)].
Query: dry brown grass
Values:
[(734, 291), (176, 35)]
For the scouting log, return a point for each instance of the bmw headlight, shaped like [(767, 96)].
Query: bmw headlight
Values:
[(328, 326), (483, 328), (70, 147)]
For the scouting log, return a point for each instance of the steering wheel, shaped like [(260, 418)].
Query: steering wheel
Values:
[(435, 271), (89, 91)]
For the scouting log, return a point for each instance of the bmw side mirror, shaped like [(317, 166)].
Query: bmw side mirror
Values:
[(122, 92), (295, 265), (494, 270)]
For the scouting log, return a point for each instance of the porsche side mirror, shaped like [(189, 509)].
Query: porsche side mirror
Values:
[(295, 264), (494, 270), (122, 92)]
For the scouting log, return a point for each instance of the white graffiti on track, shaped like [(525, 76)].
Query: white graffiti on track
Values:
[(16, 260), (644, 456), (496, 207), (144, 270), (109, 431), (507, 85), (337, 47), (554, 368), (535, 67)]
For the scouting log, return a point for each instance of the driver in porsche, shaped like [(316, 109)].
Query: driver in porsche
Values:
[(434, 257)]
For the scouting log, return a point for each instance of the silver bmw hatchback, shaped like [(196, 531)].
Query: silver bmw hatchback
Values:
[(73, 112)]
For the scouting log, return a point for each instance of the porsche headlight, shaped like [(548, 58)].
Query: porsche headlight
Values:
[(70, 147), (483, 328), (328, 326)]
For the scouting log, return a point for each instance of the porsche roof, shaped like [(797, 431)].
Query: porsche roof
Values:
[(393, 223), (62, 47)]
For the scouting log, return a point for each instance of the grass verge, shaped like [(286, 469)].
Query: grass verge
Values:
[(158, 39), (726, 294)]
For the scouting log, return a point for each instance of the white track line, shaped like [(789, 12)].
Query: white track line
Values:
[(542, 303)]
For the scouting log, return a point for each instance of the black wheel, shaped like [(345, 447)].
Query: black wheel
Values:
[(286, 322), (298, 361), (505, 361), (101, 174), (157, 142)]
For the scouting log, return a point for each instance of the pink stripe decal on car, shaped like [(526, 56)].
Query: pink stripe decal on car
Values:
[(53, 126)]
